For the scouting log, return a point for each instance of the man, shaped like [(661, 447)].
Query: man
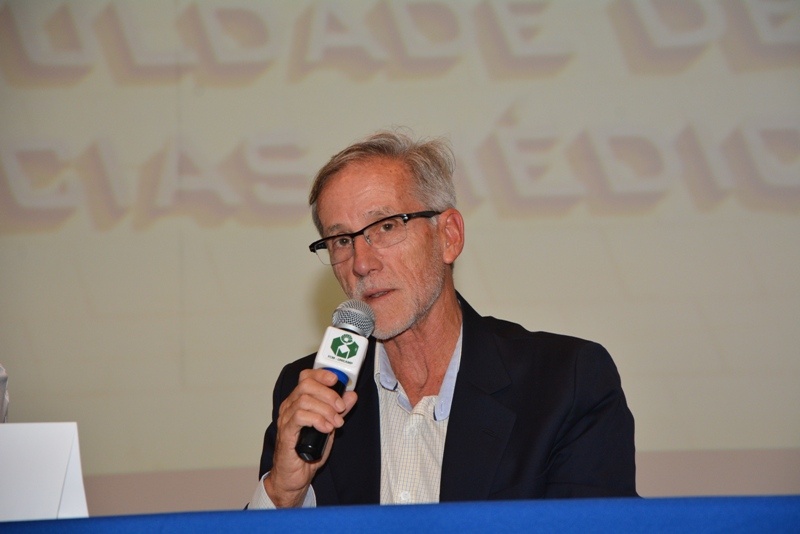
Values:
[(450, 406)]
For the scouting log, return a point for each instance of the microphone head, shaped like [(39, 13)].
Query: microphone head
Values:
[(356, 316)]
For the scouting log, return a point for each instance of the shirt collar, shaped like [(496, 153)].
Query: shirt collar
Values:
[(385, 378)]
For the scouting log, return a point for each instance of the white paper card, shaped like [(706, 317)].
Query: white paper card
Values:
[(40, 472)]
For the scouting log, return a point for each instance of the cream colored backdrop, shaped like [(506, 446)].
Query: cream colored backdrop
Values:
[(629, 172)]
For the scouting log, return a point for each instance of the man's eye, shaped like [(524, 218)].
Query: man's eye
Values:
[(341, 242), (388, 226)]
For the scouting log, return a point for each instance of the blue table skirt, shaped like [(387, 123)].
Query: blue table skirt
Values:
[(694, 514)]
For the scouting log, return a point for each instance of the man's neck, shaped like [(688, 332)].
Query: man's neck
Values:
[(420, 355)]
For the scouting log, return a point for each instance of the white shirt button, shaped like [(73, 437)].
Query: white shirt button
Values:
[(405, 496)]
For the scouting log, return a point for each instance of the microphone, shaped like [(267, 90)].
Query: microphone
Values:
[(342, 352)]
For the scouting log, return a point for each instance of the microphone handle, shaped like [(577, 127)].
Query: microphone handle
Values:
[(311, 443)]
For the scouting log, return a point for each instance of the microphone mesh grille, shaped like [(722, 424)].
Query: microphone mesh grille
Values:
[(356, 316)]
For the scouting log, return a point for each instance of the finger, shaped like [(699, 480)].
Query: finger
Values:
[(349, 399), (309, 411), (323, 376), (317, 383)]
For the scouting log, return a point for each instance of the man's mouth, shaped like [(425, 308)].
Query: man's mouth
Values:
[(374, 295)]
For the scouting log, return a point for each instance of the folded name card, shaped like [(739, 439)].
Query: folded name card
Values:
[(40, 472)]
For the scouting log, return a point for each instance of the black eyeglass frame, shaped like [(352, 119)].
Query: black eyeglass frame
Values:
[(405, 217)]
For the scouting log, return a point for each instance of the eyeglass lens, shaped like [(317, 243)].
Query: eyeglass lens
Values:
[(380, 234)]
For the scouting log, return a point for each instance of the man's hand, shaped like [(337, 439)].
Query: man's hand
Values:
[(312, 403)]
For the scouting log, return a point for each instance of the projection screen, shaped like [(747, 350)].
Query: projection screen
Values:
[(629, 172)]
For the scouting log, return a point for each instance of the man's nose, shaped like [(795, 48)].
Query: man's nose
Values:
[(364, 258)]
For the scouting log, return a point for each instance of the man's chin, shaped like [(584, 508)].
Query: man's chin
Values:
[(382, 335), (386, 334)]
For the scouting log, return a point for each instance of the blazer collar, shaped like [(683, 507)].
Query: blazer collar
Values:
[(483, 368)]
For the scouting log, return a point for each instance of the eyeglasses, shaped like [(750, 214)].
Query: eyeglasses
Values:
[(380, 234)]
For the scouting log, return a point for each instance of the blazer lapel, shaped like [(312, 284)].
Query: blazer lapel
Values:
[(356, 468), (479, 425)]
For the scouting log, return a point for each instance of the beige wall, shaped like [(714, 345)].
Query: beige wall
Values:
[(629, 172), (659, 474)]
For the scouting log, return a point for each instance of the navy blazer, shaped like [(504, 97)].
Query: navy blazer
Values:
[(534, 415)]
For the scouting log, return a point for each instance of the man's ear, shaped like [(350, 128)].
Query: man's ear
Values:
[(451, 225)]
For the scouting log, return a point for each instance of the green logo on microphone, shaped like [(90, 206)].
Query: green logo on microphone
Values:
[(344, 346)]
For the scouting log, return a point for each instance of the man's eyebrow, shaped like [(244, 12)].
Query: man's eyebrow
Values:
[(376, 215), (332, 230)]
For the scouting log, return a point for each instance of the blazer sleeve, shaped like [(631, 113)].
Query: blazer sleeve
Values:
[(594, 455), (271, 433)]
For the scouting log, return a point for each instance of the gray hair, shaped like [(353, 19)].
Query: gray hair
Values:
[(430, 162)]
